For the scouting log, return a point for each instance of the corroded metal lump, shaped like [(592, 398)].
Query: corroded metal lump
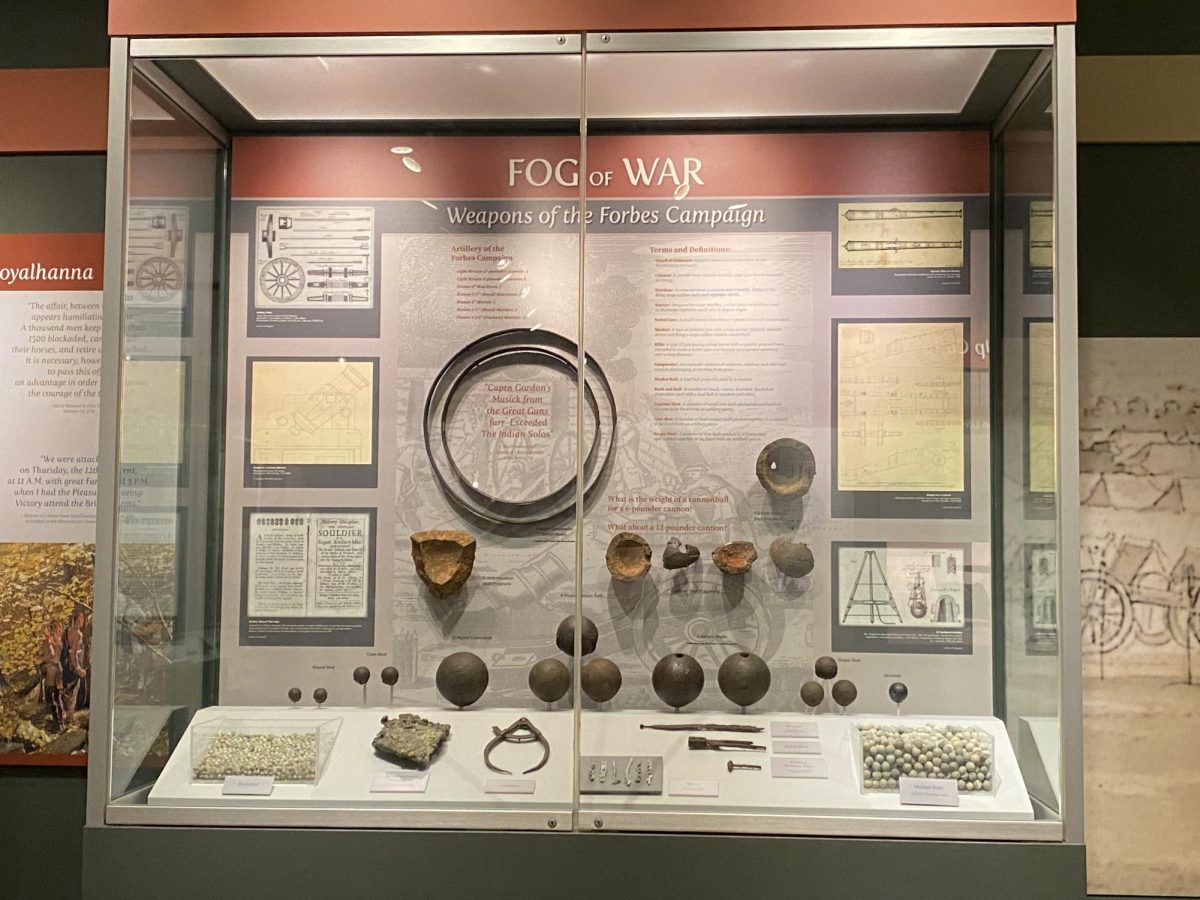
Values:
[(792, 558), (410, 739), (628, 556), (786, 468), (444, 560), (679, 555), (735, 558)]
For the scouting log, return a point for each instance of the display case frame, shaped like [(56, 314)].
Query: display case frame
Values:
[(1057, 44)]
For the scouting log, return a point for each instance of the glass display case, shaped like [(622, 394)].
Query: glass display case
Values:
[(606, 432)]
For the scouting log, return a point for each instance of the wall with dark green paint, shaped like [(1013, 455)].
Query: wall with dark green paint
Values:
[(41, 831)]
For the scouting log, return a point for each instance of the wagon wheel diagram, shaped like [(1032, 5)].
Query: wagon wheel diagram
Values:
[(1153, 598), (1185, 615), (158, 278), (1107, 619), (281, 280)]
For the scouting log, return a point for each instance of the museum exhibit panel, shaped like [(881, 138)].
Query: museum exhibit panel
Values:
[(642, 432)]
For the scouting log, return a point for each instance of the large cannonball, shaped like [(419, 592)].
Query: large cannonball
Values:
[(744, 678), (677, 679), (564, 637), (462, 678), (549, 680)]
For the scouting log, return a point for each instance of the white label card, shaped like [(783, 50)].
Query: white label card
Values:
[(509, 786), (253, 785), (799, 767), (928, 791), (400, 783), (691, 788), (807, 747), (794, 729)]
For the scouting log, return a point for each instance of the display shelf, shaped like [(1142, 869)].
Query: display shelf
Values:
[(458, 778)]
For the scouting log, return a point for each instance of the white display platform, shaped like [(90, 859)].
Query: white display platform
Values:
[(758, 793), (458, 777)]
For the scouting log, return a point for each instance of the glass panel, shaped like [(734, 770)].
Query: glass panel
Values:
[(1028, 444), (161, 637), (790, 562), (395, 375)]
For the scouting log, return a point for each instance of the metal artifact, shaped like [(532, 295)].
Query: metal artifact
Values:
[(753, 767), (702, 743), (444, 560), (744, 678), (362, 675), (844, 693), (549, 680), (786, 468), (898, 692), (826, 667), (410, 739), (628, 556), (677, 679), (521, 731), (735, 558), (600, 679), (699, 726), (792, 558), (294, 694), (812, 694), (518, 347), (462, 678), (320, 695), (390, 676), (564, 636), (679, 555)]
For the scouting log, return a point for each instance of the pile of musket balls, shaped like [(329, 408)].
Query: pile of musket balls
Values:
[(961, 753), (286, 757)]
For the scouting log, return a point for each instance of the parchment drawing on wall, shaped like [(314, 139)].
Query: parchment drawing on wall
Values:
[(887, 235), (900, 406), (1140, 556)]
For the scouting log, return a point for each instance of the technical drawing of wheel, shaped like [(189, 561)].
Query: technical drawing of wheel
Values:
[(281, 280), (157, 278), (1180, 618), (1107, 613)]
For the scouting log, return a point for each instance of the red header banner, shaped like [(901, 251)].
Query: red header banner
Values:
[(642, 166), (71, 261)]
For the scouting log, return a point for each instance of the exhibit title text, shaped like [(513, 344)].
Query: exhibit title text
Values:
[(656, 172), (37, 272), (630, 213)]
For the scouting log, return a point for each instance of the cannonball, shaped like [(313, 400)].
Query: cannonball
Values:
[(549, 680), (362, 675), (390, 676), (812, 694), (565, 636), (600, 679), (898, 691), (792, 558), (628, 556), (826, 667), (677, 679), (320, 695), (462, 678), (294, 695), (744, 678), (844, 693)]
